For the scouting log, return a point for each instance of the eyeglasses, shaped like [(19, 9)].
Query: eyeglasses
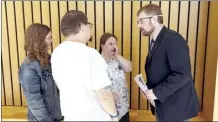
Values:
[(87, 23), (148, 17), (90, 24)]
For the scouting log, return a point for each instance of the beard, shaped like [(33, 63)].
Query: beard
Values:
[(147, 33)]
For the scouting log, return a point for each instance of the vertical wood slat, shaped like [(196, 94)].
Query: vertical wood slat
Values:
[(28, 14), (6, 57), (144, 51), (71, 5), (211, 62), (81, 6), (183, 19), (55, 24), (99, 22), (13, 50), (20, 38), (45, 13), (126, 35), (174, 15), (108, 16), (91, 18), (135, 54), (201, 49), (63, 10), (165, 12), (118, 24), (46, 17), (3, 89), (28, 17), (155, 2), (36, 11), (192, 32)]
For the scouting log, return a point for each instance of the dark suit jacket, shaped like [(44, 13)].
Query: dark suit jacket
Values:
[(168, 73)]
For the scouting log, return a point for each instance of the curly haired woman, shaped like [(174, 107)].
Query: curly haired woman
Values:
[(36, 78)]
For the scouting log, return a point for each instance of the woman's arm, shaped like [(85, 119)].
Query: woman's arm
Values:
[(126, 64)]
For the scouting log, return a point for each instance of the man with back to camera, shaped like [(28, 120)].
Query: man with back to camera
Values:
[(80, 74), (168, 69)]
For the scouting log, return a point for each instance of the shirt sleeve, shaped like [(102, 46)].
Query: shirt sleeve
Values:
[(99, 76)]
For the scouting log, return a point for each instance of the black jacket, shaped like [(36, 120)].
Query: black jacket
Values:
[(168, 72)]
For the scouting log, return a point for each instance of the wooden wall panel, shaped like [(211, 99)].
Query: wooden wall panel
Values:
[(118, 24), (28, 14), (189, 18), (135, 56), (71, 5), (108, 16), (20, 39), (211, 62), (192, 32), (92, 19), (165, 11), (46, 16), (36, 5), (3, 89), (144, 104), (62, 11), (55, 24), (174, 6), (215, 111), (126, 42), (183, 18), (6, 58), (12, 34), (99, 22), (200, 49)]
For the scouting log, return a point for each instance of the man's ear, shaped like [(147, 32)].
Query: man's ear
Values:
[(82, 27), (154, 19)]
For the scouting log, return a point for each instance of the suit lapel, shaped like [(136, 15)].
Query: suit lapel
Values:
[(156, 45)]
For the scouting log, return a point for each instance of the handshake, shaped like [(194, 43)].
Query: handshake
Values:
[(147, 93)]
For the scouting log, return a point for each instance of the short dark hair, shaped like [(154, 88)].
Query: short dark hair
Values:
[(71, 21), (104, 39), (151, 10)]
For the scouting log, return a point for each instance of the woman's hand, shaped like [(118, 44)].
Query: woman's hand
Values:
[(116, 51)]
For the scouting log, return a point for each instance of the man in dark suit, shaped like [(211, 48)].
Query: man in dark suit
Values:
[(168, 69)]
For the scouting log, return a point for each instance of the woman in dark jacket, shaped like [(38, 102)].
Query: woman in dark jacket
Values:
[(36, 78)]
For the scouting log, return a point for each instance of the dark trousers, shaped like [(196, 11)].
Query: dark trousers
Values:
[(125, 118)]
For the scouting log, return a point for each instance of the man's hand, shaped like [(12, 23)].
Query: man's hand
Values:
[(150, 95), (151, 101)]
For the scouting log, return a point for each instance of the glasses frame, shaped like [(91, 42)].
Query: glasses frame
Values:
[(148, 17)]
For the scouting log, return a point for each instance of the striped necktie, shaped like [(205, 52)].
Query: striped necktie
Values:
[(151, 45)]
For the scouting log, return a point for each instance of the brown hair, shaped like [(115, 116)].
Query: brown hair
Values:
[(104, 39), (151, 10), (71, 21), (35, 45)]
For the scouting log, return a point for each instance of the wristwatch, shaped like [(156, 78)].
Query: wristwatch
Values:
[(114, 116)]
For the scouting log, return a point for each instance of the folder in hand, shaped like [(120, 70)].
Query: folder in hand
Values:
[(140, 82)]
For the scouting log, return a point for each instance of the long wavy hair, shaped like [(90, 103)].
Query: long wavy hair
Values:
[(35, 45)]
